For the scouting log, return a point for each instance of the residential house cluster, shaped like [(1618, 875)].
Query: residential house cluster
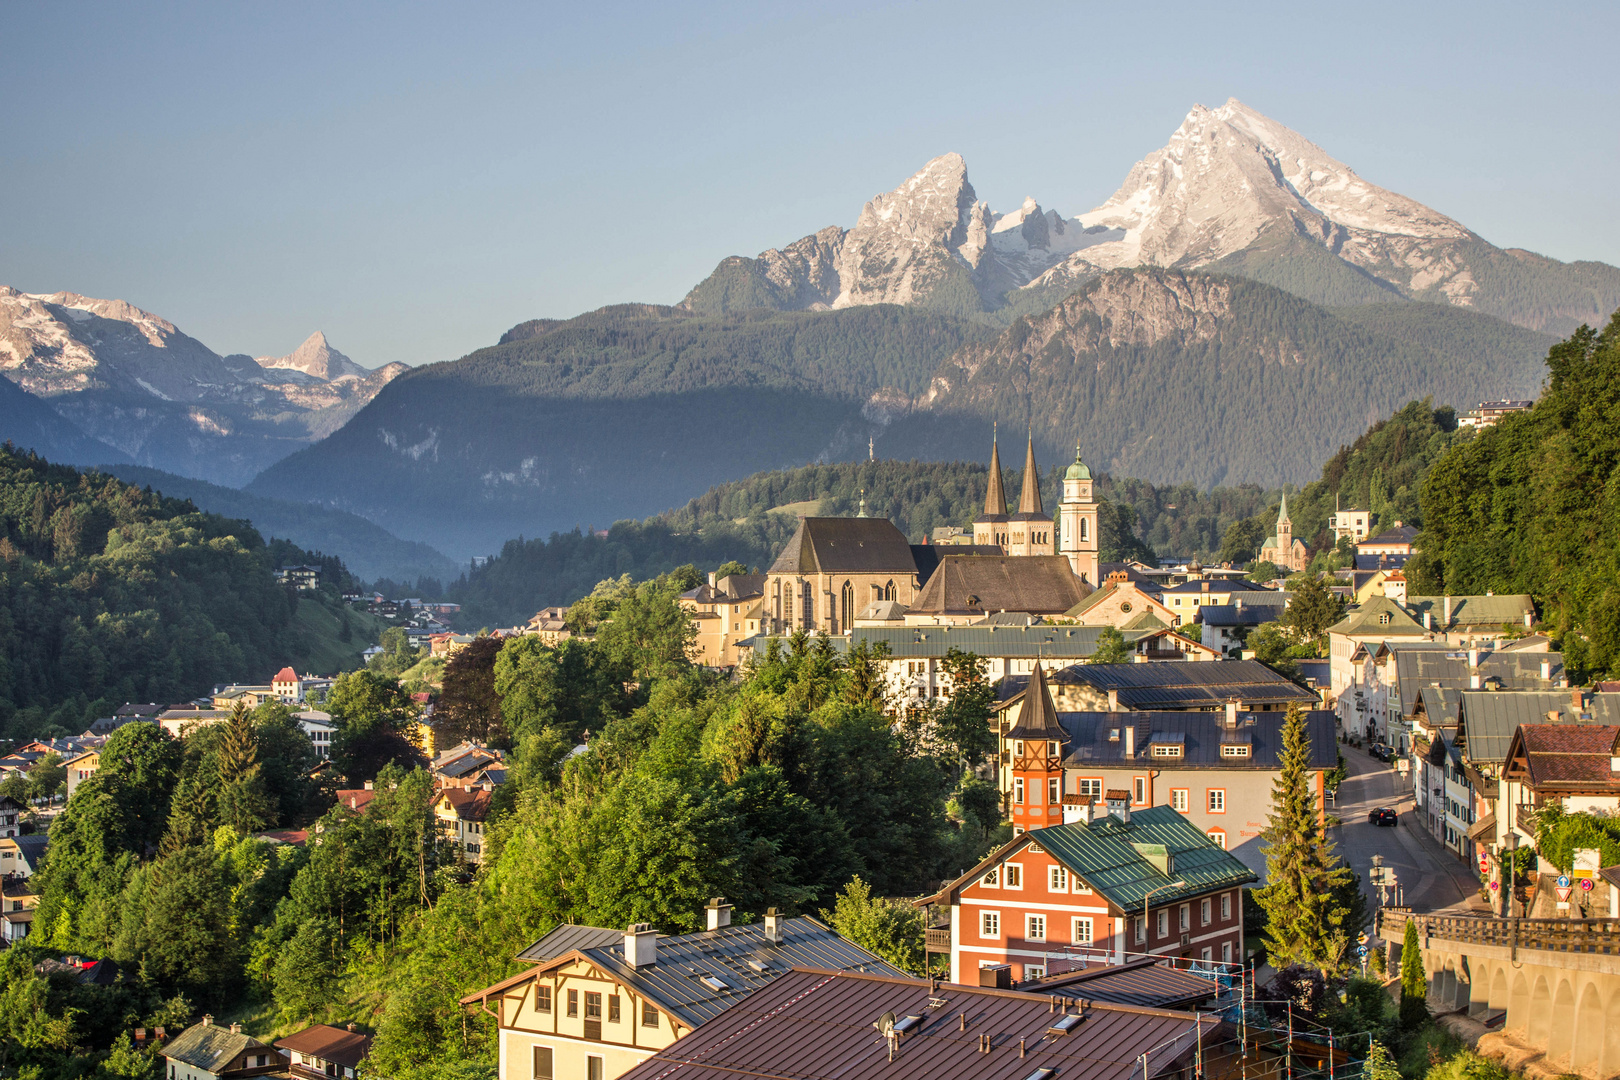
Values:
[(210, 1051), (465, 778)]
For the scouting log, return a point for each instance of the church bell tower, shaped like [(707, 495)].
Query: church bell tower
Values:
[(1077, 521)]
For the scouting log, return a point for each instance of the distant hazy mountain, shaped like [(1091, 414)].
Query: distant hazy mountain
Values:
[(29, 423), (1169, 376), (132, 380), (368, 550), (1232, 190)]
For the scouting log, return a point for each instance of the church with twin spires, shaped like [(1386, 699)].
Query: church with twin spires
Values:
[(1030, 530)]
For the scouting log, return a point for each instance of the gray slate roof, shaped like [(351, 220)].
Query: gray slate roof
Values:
[(1040, 584), (1435, 664), (1055, 642), (1200, 734), (729, 954), (211, 1047), (1208, 683), (1486, 720), (846, 545), (567, 938)]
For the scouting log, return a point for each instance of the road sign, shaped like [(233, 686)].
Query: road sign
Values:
[(1495, 885), (1361, 938), (1563, 890), (1563, 881), (1361, 950), (1563, 905), (1484, 862), (1586, 884)]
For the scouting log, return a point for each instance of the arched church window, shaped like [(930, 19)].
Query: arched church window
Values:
[(888, 591), (1083, 536), (849, 606), (809, 601)]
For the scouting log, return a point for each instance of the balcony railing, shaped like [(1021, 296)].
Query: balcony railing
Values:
[(937, 939), (1600, 936), (1524, 816)]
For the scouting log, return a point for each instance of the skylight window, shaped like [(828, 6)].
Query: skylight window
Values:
[(714, 982)]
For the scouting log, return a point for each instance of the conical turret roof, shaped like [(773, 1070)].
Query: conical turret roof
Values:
[(1029, 499), (1037, 719), (1282, 514), (995, 498)]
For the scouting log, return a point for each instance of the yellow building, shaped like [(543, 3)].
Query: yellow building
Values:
[(1118, 602), (595, 1003), (832, 569), (725, 612)]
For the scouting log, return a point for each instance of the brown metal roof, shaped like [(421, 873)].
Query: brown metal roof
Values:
[(1147, 982), (1038, 584), (1038, 718), (329, 1044), (812, 1024), (846, 545)]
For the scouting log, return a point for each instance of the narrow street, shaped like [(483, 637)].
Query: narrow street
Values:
[(1430, 877)]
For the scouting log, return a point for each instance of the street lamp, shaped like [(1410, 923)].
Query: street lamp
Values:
[(1146, 895)]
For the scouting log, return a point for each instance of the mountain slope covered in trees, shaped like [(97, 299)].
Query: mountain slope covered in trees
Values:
[(1533, 504), (111, 594), (1174, 378)]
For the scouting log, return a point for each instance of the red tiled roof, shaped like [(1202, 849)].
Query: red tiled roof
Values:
[(286, 674), (1569, 754), (356, 798), (469, 805)]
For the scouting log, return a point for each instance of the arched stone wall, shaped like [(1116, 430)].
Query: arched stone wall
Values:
[(1518, 1018), (1499, 989), (1540, 1026), (1610, 1063), (1588, 1031), (1561, 1030)]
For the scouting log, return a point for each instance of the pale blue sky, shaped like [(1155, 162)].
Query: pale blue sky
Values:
[(415, 179)]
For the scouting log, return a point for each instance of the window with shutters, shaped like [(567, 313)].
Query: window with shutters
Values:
[(1139, 790)]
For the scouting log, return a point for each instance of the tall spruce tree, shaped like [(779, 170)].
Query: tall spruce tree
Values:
[(244, 804), (1311, 899), (1414, 983)]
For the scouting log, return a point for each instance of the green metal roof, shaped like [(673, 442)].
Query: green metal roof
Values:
[(1366, 620), (1114, 858), (1474, 610)]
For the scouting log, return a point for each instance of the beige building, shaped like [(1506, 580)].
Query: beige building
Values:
[(726, 610), (461, 813), (1119, 601), (81, 768), (596, 1002), (832, 569)]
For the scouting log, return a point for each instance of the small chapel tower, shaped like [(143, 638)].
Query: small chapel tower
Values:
[(1037, 741), (1077, 522), (990, 527)]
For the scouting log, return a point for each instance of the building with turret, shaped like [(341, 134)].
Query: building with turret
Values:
[(1077, 522), (1282, 549)]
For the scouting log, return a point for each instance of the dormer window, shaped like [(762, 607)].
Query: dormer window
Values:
[(1166, 750), (1113, 734), (1235, 750)]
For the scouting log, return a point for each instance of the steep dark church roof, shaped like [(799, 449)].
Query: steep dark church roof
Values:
[(1029, 499), (846, 545), (995, 498), (1038, 720)]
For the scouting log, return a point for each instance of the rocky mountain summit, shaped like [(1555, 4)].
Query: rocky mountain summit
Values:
[(1232, 191), (135, 382)]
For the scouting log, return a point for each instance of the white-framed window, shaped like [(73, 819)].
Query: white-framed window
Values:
[(1166, 750), (1217, 800), (990, 924), (1091, 787), (1052, 749), (1162, 929), (1217, 837), (1013, 877), (1082, 931), (1226, 952), (1205, 955), (1205, 910), (1185, 915), (1080, 887), (1059, 879), (1141, 930), (992, 878), (1034, 971), (1054, 790), (1235, 750), (1179, 799), (1018, 790), (1226, 904), (1018, 748), (1035, 927)]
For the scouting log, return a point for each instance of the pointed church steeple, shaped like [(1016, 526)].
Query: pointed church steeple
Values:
[(1282, 514), (1029, 500), (995, 498)]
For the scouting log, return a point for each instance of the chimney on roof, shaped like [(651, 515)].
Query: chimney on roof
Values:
[(1577, 698), (369, 785), (773, 926), (1428, 620), (1448, 611), (1113, 701), (236, 1028), (1125, 813), (640, 945), (349, 1026), (711, 579), (1231, 713), (1130, 741), (1546, 671), (1529, 619), (1473, 679), (1473, 659), (719, 913), (208, 1020)]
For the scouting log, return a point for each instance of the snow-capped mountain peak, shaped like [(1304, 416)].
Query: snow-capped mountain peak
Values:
[(315, 357)]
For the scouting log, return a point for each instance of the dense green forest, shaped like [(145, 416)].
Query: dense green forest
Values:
[(616, 414), (367, 550), (779, 790), (110, 594), (1533, 504)]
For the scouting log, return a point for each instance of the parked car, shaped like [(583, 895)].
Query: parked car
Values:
[(1381, 816), (1381, 751)]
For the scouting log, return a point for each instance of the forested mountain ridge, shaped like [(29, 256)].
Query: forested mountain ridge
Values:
[(1172, 377), (1532, 504), (112, 594)]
